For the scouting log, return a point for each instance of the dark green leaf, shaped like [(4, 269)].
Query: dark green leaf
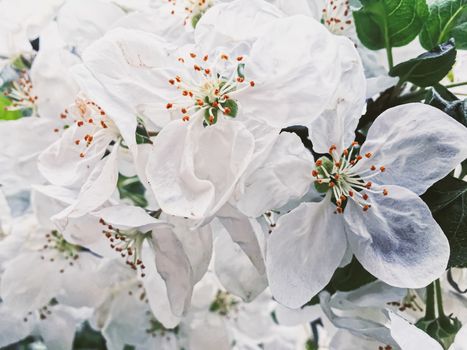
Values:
[(133, 189), (428, 68), (447, 200), (455, 108), (447, 19), (142, 135), (389, 23)]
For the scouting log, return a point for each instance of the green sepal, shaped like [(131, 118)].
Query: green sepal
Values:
[(195, 19), (328, 165), (8, 115), (233, 106)]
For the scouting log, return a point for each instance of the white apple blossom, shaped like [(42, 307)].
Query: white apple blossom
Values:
[(368, 197)]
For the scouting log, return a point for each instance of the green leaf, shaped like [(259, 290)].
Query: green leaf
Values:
[(447, 19), (389, 23), (447, 200), (457, 109), (428, 68), (7, 115), (133, 189), (142, 135)]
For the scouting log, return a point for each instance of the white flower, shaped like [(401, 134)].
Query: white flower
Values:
[(371, 205), (55, 324)]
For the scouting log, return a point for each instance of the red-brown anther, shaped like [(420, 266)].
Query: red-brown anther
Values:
[(215, 104), (227, 110), (101, 221), (343, 198), (56, 130), (199, 102), (366, 207), (172, 82), (332, 148), (186, 118), (224, 57), (314, 173), (385, 192), (368, 155), (365, 196), (178, 79), (192, 55), (240, 79), (332, 184), (207, 71), (368, 184), (102, 112), (359, 157), (80, 123), (103, 124), (63, 116), (169, 105), (319, 162), (346, 152), (355, 143), (337, 176), (339, 210), (382, 169), (373, 168), (337, 164), (185, 93), (239, 58), (81, 155), (90, 121), (351, 193), (205, 58), (197, 68), (184, 111), (211, 119)]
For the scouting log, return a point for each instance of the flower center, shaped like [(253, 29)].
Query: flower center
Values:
[(58, 247), (21, 94), (128, 243), (210, 90), (194, 9), (337, 16), (223, 304), (92, 118), (343, 176)]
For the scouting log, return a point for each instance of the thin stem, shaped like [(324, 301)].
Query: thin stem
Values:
[(389, 56), (439, 299), (430, 313), (456, 84)]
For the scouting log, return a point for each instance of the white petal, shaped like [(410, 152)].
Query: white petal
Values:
[(156, 292), (61, 163), (81, 22), (460, 342), (13, 328), (174, 267), (22, 285), (342, 339), (284, 175), (357, 325), (217, 338), (297, 67), (230, 23), (127, 216), (193, 169), (409, 337), (234, 269), (299, 259), (197, 244), (397, 239), (99, 187), (337, 124), (58, 329), (243, 231), (128, 81), (418, 144)]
